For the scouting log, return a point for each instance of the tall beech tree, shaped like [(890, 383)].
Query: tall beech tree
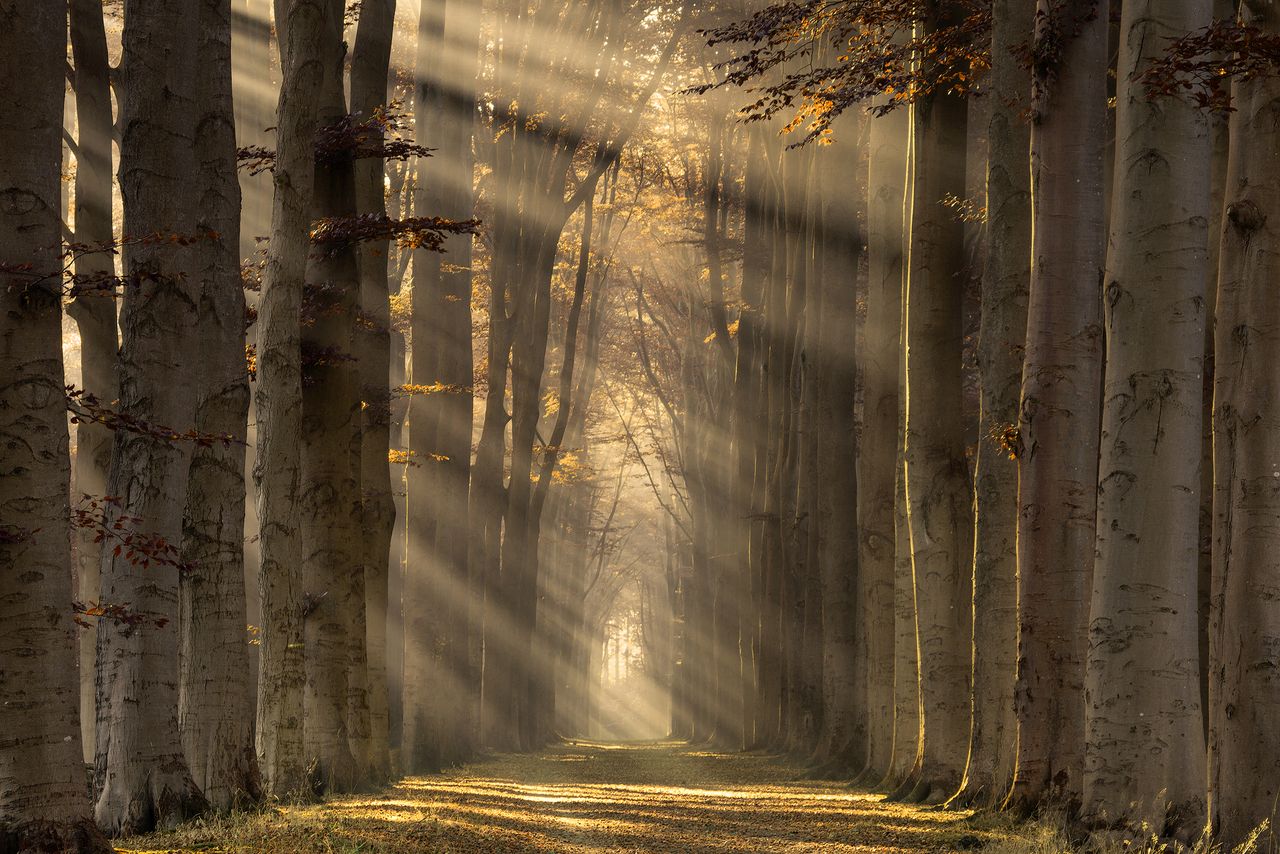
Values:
[(44, 804), (834, 309), (939, 496), (425, 604), (369, 72), (1145, 752), (215, 704), (1003, 330), (329, 489), (442, 625), (878, 457), (278, 394), (1242, 739), (1059, 411), (141, 777)]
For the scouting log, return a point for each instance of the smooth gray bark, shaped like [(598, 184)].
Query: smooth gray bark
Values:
[(44, 805)]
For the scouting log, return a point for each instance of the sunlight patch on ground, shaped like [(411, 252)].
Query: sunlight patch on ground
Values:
[(580, 798)]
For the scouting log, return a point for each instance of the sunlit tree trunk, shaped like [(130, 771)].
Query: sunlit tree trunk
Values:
[(1058, 417), (215, 704), (1243, 689), (1006, 279), (1144, 757), (251, 27), (877, 467), (44, 805), (278, 394), (939, 496)]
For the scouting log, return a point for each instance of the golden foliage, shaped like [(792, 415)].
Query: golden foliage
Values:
[(410, 390)]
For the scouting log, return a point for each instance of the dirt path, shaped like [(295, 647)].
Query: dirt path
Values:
[(590, 797)]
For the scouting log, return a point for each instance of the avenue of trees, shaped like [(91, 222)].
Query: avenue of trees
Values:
[(888, 384)]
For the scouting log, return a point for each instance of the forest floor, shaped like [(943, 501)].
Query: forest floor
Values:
[(581, 797)]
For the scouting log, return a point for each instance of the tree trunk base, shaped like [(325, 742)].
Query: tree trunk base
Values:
[(869, 778), (917, 789), (336, 775), (842, 763), (47, 837), (161, 800)]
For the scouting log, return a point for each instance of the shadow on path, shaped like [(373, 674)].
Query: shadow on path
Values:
[(585, 797)]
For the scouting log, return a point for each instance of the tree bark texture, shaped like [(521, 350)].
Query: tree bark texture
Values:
[(369, 71), (329, 493), (44, 803), (1058, 417), (939, 495), (1144, 757), (1006, 279), (141, 777), (877, 462), (215, 702), (1245, 619), (278, 403)]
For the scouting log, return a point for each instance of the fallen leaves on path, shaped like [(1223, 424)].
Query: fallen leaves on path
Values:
[(589, 797)]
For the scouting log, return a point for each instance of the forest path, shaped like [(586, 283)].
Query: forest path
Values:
[(581, 797)]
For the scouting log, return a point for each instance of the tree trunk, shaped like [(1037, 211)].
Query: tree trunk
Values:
[(776, 396), (443, 285), (43, 801), (834, 310), (369, 72), (877, 462), (141, 776), (1144, 757), (93, 311), (215, 703), (329, 493), (279, 404), (939, 495), (1244, 748), (748, 437), (1057, 422), (1000, 349)]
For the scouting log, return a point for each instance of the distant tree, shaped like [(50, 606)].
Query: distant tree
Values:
[(94, 310), (441, 706)]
